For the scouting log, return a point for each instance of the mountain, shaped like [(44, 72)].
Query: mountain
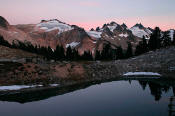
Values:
[(139, 30), (116, 34), (54, 32), (11, 33), (50, 33)]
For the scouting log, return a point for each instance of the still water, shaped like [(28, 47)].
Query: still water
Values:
[(117, 98)]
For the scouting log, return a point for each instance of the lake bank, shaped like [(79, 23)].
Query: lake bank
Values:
[(33, 72)]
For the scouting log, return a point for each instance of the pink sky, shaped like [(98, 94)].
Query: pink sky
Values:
[(131, 21), (91, 14)]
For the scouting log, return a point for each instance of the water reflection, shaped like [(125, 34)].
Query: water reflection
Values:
[(117, 98), (174, 90), (157, 88)]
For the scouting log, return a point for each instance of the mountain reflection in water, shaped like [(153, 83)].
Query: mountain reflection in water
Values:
[(156, 86), (144, 97)]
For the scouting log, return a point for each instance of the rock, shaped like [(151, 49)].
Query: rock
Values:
[(3, 22)]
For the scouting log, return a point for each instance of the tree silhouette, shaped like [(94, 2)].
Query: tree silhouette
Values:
[(75, 54), (155, 41), (119, 53), (97, 55), (173, 38), (106, 53), (138, 50), (129, 52), (69, 54), (87, 56), (166, 40), (142, 47)]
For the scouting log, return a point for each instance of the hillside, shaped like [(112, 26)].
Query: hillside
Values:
[(161, 61)]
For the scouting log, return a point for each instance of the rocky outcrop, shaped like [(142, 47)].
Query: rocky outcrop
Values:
[(3, 22)]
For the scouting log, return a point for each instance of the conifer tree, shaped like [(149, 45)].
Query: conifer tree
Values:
[(155, 41), (166, 40), (97, 55), (62, 53), (138, 50), (50, 53), (69, 54), (106, 53), (87, 55), (144, 45), (173, 38), (119, 53), (129, 52), (75, 54)]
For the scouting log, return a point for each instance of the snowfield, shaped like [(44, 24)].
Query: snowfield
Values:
[(73, 44), (18, 87), (111, 28), (140, 32), (123, 35), (54, 25), (141, 74), (94, 34)]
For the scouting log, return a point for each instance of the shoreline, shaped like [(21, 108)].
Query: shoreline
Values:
[(35, 94)]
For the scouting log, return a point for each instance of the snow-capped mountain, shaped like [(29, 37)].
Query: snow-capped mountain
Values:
[(54, 32), (139, 30), (50, 25), (114, 33)]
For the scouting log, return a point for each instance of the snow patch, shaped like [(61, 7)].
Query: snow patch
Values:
[(17, 87), (54, 85), (123, 35), (54, 25), (171, 33), (73, 44), (53, 49), (111, 28), (141, 74), (139, 32), (148, 31), (44, 28), (95, 34)]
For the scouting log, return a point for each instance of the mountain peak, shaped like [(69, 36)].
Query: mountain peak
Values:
[(124, 25), (3, 22), (139, 26), (54, 24), (113, 23)]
